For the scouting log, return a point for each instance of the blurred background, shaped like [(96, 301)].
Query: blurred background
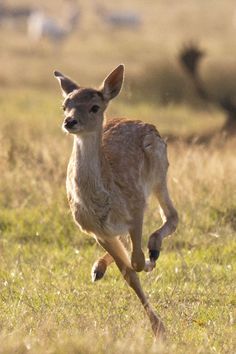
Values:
[(87, 39)]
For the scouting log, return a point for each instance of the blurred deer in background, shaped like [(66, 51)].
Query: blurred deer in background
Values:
[(114, 167), (118, 18), (42, 26), (13, 15), (190, 57)]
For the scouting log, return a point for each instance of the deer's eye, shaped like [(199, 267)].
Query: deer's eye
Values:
[(94, 108)]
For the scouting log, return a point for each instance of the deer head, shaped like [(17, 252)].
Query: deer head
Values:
[(84, 107)]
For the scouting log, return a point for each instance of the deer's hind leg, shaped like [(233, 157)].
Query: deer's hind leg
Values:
[(157, 152), (170, 220)]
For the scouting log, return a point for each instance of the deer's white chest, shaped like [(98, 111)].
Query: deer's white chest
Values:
[(94, 212)]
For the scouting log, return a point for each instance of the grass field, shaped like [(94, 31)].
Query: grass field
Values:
[(47, 301)]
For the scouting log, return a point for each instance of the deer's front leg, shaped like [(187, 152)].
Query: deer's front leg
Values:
[(120, 256), (100, 266), (137, 256)]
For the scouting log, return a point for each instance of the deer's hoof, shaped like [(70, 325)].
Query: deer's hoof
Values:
[(160, 332), (98, 271), (97, 276), (149, 266), (154, 255), (154, 246)]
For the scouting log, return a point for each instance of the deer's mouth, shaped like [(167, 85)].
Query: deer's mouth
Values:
[(72, 129), (71, 126)]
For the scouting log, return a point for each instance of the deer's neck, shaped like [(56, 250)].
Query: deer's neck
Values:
[(88, 165)]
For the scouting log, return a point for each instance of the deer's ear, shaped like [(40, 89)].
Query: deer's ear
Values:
[(66, 84), (113, 82)]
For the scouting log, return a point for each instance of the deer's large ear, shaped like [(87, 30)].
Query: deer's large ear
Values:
[(113, 82), (67, 85)]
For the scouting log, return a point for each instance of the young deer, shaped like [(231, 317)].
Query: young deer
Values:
[(112, 170)]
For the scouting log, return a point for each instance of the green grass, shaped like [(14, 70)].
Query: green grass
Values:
[(48, 301)]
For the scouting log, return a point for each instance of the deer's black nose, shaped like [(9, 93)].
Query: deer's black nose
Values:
[(69, 122)]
